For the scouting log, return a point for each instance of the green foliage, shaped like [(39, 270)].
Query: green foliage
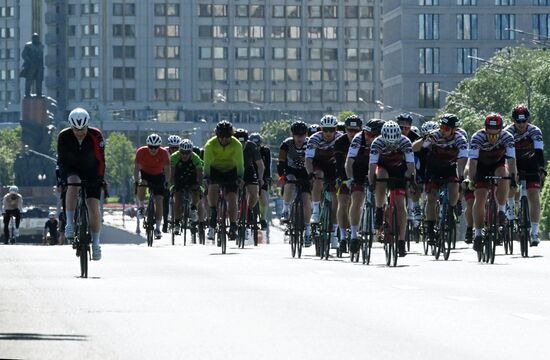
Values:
[(344, 114), (274, 133), (10, 146), (545, 207), (501, 84), (119, 158)]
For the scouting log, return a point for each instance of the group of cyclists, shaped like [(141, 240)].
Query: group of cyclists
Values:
[(345, 158)]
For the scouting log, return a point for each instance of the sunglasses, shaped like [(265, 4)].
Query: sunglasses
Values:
[(352, 130), (445, 127), (521, 121), (299, 134), (329, 130), (153, 147), (403, 127), (80, 130)]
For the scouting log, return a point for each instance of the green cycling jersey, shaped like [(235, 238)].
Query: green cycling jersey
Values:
[(223, 158)]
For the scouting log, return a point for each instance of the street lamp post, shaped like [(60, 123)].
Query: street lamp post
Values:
[(522, 77), (533, 35)]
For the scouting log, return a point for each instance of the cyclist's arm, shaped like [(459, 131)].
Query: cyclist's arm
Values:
[(261, 169), (282, 161), (461, 165), (349, 167), (45, 233), (417, 145), (137, 168), (20, 202), (167, 171), (100, 154), (207, 159), (239, 159), (472, 169), (310, 154), (267, 164)]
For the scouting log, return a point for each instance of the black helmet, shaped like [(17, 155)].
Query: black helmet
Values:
[(354, 121), (298, 128), (241, 134), (520, 113), (451, 120), (224, 129), (312, 129), (341, 126), (404, 117), (374, 126)]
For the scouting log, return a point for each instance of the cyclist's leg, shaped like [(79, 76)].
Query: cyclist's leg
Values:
[(380, 195), (93, 194), (288, 193), (177, 205), (316, 189), (70, 204), (165, 210), (401, 212), (7, 217), (357, 200), (264, 203), (252, 191), (503, 188), (17, 215), (431, 208), (342, 211)]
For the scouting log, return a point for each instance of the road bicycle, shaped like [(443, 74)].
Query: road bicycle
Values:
[(445, 230), (325, 222), (366, 230), (296, 223)]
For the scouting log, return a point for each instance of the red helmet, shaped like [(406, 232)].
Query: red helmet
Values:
[(493, 121), (520, 113)]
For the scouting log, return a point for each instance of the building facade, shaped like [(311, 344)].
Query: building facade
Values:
[(429, 44)]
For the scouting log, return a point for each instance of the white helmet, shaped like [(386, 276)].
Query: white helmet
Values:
[(153, 140), (79, 118), (391, 132), (415, 130), (14, 189), (428, 127), (186, 145), (174, 140), (328, 121), (51, 215)]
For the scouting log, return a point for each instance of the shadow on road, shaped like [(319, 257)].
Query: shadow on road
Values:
[(44, 337)]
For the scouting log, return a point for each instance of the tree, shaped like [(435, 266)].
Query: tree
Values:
[(275, 132), (344, 114), (119, 158), (10, 146), (545, 207)]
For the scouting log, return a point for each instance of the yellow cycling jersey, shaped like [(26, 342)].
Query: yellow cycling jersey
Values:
[(223, 158)]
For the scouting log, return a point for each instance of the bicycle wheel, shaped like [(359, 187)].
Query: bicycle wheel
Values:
[(291, 229), (327, 229), (149, 225), (202, 238), (524, 234), (172, 219), (185, 222), (425, 245), (509, 237), (83, 241), (316, 239), (490, 243), (241, 232), (450, 232), (299, 226), (395, 226), (367, 234), (254, 224), (222, 233)]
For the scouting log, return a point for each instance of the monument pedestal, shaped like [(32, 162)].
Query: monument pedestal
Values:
[(35, 111)]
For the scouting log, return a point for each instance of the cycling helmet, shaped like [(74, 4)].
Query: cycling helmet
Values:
[(451, 120), (404, 117), (354, 121), (328, 121), (415, 130), (520, 113), (256, 138), (51, 215), (13, 189), (174, 140), (153, 140), (79, 118), (186, 145), (299, 128), (241, 134), (391, 132), (374, 126), (312, 129), (493, 121), (341, 126), (428, 127), (224, 129)]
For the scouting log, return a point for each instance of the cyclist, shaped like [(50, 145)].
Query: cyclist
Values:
[(404, 121), (391, 155), (253, 179), (446, 157), (81, 156), (530, 163), (491, 149), (12, 204), (186, 170), (152, 169), (290, 166), (223, 163), (357, 166), (264, 196), (51, 228), (312, 129), (173, 146), (320, 166), (353, 125)]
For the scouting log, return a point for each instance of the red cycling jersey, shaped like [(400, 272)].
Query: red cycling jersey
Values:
[(152, 164)]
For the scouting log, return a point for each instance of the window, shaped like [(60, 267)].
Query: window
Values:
[(167, 94), (428, 95), (89, 51), (90, 29), (293, 53), (8, 54), (257, 53), (330, 75), (502, 23), (89, 72), (241, 95), (278, 95), (293, 95), (241, 74), (277, 32), (366, 54), (314, 11), (71, 30), (205, 53), (315, 54), (205, 10), (293, 32), (466, 27), (167, 9), (314, 74), (167, 115), (367, 95), (256, 95), (167, 52), (121, 72), (366, 33), (541, 26), (121, 30), (350, 33), (256, 32), (330, 32), (351, 12), (350, 75), (168, 73), (351, 54), (278, 74), (219, 31), (220, 74), (167, 30), (205, 95), (330, 54), (205, 31), (351, 96), (366, 12), (292, 11), (7, 74), (219, 53), (314, 32), (89, 9), (219, 10), (205, 74), (71, 9), (7, 33), (241, 10), (256, 74), (256, 11), (428, 59), (330, 11), (365, 75), (89, 93), (71, 51), (428, 2), (7, 11), (314, 95), (466, 2), (124, 9), (330, 96), (293, 75), (278, 53), (541, 2), (240, 31), (278, 11), (465, 64), (241, 53), (428, 26), (505, 2)]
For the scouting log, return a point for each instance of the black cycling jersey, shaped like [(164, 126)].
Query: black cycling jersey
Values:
[(86, 158)]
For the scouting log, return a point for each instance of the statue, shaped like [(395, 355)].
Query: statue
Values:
[(33, 65)]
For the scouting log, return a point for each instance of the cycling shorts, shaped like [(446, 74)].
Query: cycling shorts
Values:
[(484, 170), (229, 178), (155, 182)]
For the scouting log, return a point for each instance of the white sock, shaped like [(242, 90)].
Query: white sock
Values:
[(477, 232), (502, 207), (70, 218), (335, 229), (534, 228), (343, 233), (315, 206), (353, 231), (308, 229)]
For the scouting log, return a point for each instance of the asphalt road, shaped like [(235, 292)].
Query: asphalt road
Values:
[(258, 303)]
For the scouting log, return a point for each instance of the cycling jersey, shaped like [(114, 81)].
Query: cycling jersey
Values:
[(490, 154), (223, 158), (12, 202), (389, 156), (462, 132), (444, 152), (185, 171), (266, 158), (317, 146), (359, 150), (85, 158), (152, 164), (52, 228), (526, 143), (251, 154), (290, 156), (341, 148)]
